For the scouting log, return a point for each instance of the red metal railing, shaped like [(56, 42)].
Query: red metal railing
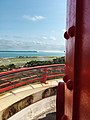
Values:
[(18, 77)]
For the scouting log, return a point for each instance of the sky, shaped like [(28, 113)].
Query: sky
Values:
[(32, 25)]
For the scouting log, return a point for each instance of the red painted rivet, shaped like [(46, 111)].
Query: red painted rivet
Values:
[(69, 84), (66, 36), (71, 31), (64, 117), (65, 78)]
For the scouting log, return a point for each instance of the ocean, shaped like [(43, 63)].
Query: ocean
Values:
[(13, 54)]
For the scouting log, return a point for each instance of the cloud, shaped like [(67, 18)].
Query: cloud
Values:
[(45, 38), (8, 44), (63, 30), (38, 42), (53, 38), (49, 38), (16, 36), (33, 18)]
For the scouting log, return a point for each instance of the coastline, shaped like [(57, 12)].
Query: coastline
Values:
[(22, 60), (14, 54)]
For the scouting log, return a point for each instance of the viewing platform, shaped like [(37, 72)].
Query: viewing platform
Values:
[(16, 100), (29, 93)]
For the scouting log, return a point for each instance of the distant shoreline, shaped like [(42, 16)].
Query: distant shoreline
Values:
[(15, 54), (18, 51)]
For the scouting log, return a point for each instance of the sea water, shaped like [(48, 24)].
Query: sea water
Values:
[(13, 54)]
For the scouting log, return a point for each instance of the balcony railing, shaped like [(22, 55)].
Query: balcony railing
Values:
[(18, 77)]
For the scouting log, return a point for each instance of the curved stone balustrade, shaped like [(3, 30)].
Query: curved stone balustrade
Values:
[(25, 97)]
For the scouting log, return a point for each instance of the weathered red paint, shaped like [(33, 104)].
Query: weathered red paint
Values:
[(44, 74), (69, 84), (64, 117), (71, 31), (70, 56), (77, 68), (66, 78), (60, 100), (66, 36), (82, 62)]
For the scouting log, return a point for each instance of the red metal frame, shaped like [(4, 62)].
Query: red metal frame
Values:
[(77, 65)]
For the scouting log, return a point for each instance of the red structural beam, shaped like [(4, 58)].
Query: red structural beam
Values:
[(18, 77)]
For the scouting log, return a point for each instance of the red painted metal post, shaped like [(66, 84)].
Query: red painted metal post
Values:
[(44, 75), (77, 70), (60, 100)]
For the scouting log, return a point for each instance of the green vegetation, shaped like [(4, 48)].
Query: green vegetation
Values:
[(15, 63), (60, 60)]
